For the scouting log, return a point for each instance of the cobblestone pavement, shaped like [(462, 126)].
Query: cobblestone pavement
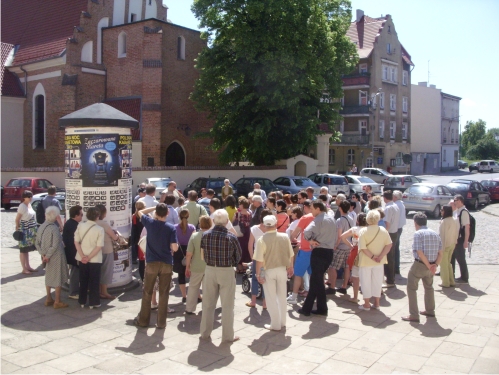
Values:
[(464, 338)]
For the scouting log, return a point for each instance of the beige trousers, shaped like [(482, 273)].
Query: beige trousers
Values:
[(218, 282), (418, 272), (275, 288), (195, 282)]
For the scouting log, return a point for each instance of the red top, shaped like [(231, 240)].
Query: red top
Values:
[(303, 224)]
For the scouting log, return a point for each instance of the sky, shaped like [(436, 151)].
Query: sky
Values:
[(454, 38)]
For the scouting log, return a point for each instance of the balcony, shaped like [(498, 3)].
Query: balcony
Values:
[(356, 79), (355, 110), (353, 139)]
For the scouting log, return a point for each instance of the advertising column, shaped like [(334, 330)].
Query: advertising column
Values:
[(98, 168)]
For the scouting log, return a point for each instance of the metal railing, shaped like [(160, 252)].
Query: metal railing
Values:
[(354, 139), (355, 110)]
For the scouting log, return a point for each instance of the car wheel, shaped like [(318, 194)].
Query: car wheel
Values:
[(246, 285), (475, 205), (471, 170), (406, 212), (260, 291), (487, 201), (491, 170), (436, 212), (6, 207)]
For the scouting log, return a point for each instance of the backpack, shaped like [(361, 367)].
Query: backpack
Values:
[(40, 212), (472, 227)]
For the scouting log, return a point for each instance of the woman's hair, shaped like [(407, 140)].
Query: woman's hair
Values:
[(361, 220), (139, 206), (244, 202), (264, 213), (170, 199), (226, 181), (381, 212), (298, 211), (294, 198), (92, 214), (74, 211), (373, 217), (51, 213), (447, 212), (281, 204), (373, 204), (271, 200), (205, 222), (272, 194), (26, 194), (220, 217), (257, 198), (181, 201), (183, 216), (379, 199), (230, 201), (287, 199), (102, 211)]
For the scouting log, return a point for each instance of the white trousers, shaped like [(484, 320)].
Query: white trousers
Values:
[(275, 288), (371, 280)]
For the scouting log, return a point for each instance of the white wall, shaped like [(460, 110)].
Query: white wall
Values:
[(449, 162), (119, 12), (151, 10), (135, 7), (426, 119), (12, 132)]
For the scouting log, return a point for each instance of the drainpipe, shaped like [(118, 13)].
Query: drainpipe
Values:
[(25, 81)]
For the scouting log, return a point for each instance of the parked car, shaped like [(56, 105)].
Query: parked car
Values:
[(473, 167), (426, 197), (401, 182), (293, 184), (474, 193), (334, 182), (244, 185), (461, 164), (61, 197), (16, 186), (488, 166), (161, 184), (215, 183), (358, 184), (493, 187), (377, 174)]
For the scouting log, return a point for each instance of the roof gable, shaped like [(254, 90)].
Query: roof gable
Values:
[(40, 28), (132, 107)]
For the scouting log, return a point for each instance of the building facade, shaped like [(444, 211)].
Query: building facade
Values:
[(375, 131), (450, 131), (68, 55)]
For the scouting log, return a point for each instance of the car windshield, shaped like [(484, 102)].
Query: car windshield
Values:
[(420, 190), (490, 183), (458, 186), (160, 183), (364, 180), (19, 183), (303, 182), (215, 184), (383, 171)]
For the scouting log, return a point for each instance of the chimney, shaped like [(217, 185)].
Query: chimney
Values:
[(422, 84), (360, 14), (433, 87)]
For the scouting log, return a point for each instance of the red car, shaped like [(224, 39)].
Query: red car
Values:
[(14, 189), (493, 187)]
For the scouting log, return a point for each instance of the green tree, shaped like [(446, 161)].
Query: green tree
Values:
[(486, 148), (269, 72), (473, 132)]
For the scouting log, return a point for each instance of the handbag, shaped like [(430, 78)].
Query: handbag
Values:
[(18, 235), (184, 260), (237, 227), (142, 244)]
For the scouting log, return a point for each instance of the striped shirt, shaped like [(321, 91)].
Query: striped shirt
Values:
[(428, 242), (220, 248)]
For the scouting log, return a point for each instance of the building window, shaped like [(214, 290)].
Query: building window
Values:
[(362, 97), (445, 155), (363, 127), (404, 104), (331, 156), (369, 162), (399, 161), (39, 121), (388, 48), (181, 48), (404, 130), (389, 29), (405, 77), (385, 73), (381, 129), (382, 100), (87, 52), (362, 68), (393, 128), (122, 44), (350, 156), (342, 126), (342, 101), (393, 74), (133, 17), (393, 102)]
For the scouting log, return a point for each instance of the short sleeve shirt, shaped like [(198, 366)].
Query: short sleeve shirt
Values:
[(344, 223), (392, 217), (303, 224), (465, 216), (26, 212), (160, 235)]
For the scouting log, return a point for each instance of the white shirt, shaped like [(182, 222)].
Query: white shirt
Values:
[(149, 201), (291, 228), (353, 215), (392, 217), (402, 219)]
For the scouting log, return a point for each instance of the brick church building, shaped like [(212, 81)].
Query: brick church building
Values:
[(60, 56)]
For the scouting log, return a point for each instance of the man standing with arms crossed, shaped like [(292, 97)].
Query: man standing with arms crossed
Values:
[(321, 233), (221, 251), (427, 251), (397, 199), (274, 253), (462, 216), (392, 226)]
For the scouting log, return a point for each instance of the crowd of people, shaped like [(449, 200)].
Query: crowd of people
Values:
[(316, 241)]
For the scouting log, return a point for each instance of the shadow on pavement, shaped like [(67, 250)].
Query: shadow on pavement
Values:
[(19, 276), (471, 291), (198, 357), (138, 347), (270, 342), (431, 328)]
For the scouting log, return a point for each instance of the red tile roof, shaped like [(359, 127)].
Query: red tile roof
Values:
[(133, 108), (40, 28)]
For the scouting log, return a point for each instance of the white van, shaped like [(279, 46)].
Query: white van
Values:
[(334, 182), (488, 166)]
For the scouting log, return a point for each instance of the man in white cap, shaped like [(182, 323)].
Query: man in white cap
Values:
[(274, 257)]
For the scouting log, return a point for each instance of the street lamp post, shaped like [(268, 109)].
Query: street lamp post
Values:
[(373, 126)]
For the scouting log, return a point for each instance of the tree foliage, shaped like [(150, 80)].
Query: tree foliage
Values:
[(473, 132), (485, 149), (267, 69)]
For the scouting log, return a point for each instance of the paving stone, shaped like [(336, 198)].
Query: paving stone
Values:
[(197, 358), (409, 361), (98, 335), (332, 366), (290, 366), (168, 367), (467, 339), (65, 346), (437, 370), (485, 366), (73, 362), (310, 354), (451, 362), (329, 343), (123, 365), (373, 346), (245, 362), (41, 368), (362, 358), (417, 346), (456, 349), (8, 368)]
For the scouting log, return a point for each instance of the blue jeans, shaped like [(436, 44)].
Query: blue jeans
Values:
[(254, 281)]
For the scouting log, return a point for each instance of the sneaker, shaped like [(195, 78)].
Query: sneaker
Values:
[(461, 281), (73, 296), (341, 290), (292, 300), (330, 291), (362, 307), (154, 306), (95, 306)]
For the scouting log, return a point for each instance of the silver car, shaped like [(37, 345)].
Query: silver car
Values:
[(401, 182), (426, 197), (161, 184), (377, 174), (293, 184), (358, 184)]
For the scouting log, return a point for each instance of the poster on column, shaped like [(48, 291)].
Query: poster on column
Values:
[(98, 172)]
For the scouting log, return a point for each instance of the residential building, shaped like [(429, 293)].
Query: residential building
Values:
[(67, 55), (377, 100), (435, 129)]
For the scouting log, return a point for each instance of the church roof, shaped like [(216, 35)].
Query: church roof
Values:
[(98, 114), (40, 28)]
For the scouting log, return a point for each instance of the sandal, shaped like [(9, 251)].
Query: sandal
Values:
[(410, 319), (26, 272), (249, 304), (49, 303)]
